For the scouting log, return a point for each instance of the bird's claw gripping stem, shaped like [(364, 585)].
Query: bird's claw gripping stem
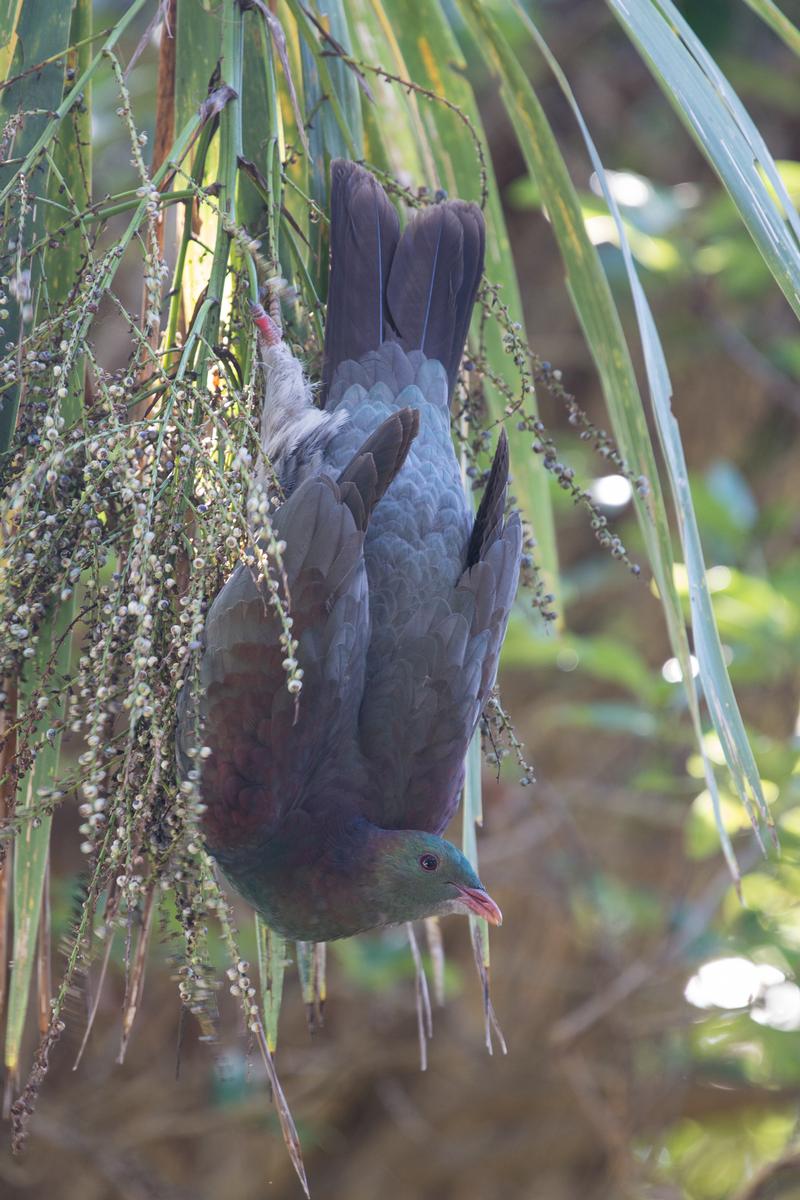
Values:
[(267, 327)]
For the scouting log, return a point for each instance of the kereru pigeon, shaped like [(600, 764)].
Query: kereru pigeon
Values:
[(325, 809)]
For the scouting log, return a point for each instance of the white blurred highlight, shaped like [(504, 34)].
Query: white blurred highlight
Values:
[(718, 578), (628, 189), (611, 491), (731, 983), (672, 672)]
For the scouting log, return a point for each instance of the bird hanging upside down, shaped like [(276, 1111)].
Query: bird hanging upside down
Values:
[(325, 810)]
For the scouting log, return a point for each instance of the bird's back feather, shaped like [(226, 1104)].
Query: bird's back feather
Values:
[(440, 586)]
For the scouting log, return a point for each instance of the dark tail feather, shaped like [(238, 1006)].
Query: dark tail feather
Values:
[(433, 281), (368, 474), (489, 517), (364, 234)]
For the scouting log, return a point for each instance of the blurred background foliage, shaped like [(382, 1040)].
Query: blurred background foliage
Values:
[(653, 1018)]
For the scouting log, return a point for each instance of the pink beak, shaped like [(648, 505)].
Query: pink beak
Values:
[(480, 903)]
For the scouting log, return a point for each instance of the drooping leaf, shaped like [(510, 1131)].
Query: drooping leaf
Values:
[(69, 179), (714, 677), (723, 129), (778, 22), (34, 37), (271, 969)]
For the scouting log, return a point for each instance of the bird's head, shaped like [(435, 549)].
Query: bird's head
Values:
[(421, 875)]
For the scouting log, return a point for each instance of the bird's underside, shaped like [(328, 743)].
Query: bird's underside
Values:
[(399, 600)]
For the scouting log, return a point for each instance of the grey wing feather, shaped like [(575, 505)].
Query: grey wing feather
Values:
[(271, 752), (266, 746), (421, 710)]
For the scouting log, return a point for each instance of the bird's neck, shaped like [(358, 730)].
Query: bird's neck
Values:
[(333, 888)]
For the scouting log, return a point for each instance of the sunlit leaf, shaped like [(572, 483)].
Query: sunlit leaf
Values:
[(719, 122), (717, 688)]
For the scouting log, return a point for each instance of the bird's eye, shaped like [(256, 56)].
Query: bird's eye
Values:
[(429, 862)]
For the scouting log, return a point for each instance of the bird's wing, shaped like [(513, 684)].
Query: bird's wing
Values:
[(422, 706), (268, 746)]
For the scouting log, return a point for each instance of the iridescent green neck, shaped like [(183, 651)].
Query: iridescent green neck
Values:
[(359, 881)]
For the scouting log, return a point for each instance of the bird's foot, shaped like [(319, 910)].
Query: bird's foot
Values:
[(269, 329)]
